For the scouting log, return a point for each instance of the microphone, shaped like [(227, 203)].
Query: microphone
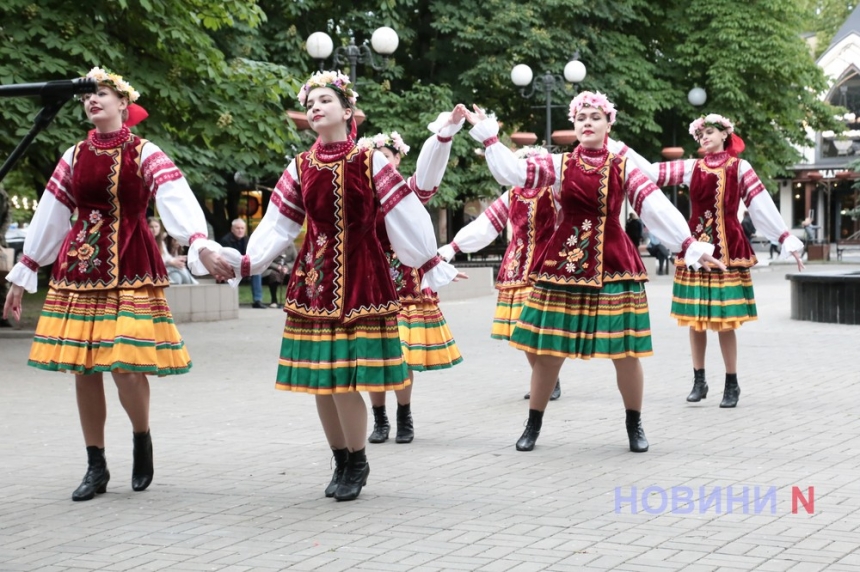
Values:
[(58, 89)]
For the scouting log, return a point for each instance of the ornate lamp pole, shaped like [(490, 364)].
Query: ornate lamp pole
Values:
[(384, 40), (574, 72)]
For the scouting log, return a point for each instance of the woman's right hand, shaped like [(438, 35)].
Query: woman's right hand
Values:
[(475, 117), (14, 301)]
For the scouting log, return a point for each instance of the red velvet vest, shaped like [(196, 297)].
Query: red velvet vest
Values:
[(531, 214), (407, 280), (341, 273), (110, 245), (715, 197), (590, 246)]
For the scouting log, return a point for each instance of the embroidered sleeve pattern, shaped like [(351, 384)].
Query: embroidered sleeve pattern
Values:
[(196, 236), (783, 236), (442, 139), (158, 169), (639, 187), (245, 266), (540, 172), (671, 173), (390, 187), (456, 247), (751, 186), (498, 214), (29, 263), (60, 185), (430, 264), (686, 244), (287, 198), (423, 195), (491, 141)]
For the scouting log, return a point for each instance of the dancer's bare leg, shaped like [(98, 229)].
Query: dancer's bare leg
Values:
[(698, 345), (327, 412), (544, 375), (631, 382), (133, 391), (92, 408), (352, 413), (729, 347)]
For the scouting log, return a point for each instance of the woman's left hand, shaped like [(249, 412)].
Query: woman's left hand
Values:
[(708, 262), (800, 265), (460, 276), (216, 265)]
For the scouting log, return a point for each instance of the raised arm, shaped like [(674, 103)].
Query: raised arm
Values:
[(435, 152), (480, 232), (49, 226), (408, 225), (765, 215), (662, 174)]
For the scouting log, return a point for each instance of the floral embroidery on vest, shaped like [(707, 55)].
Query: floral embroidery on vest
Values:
[(395, 270), (84, 248), (513, 263), (574, 255), (310, 272), (705, 228)]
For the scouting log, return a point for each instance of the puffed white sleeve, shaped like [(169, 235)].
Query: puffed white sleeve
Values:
[(408, 225), (280, 226), (662, 174), (531, 173), (764, 213), (49, 226), (180, 213), (480, 232), (433, 159), (662, 218)]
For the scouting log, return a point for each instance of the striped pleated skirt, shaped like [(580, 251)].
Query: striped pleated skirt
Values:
[(325, 357), (580, 322), (509, 306), (121, 330), (713, 300), (425, 337)]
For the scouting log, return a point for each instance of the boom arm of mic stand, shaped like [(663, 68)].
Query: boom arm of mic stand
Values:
[(43, 119)]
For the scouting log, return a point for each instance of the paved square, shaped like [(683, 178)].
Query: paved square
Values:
[(240, 467)]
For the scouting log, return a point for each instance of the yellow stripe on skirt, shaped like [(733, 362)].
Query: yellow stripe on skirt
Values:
[(121, 330), (425, 337), (509, 306), (715, 300)]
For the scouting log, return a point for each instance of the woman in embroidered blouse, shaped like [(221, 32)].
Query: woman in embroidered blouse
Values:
[(105, 310), (424, 334), (341, 335), (530, 212), (718, 301), (588, 300)]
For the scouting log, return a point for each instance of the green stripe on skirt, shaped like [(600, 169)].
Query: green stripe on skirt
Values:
[(713, 300), (580, 322), (325, 357)]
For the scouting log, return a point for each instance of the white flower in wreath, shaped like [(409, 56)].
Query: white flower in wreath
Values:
[(586, 225), (571, 241), (570, 267), (699, 227), (708, 214)]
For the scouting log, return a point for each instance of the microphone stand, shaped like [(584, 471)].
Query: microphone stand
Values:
[(43, 119)]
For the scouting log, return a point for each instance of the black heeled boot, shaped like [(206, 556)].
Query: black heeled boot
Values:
[(529, 437), (700, 386), (142, 469), (340, 457), (97, 476), (405, 429), (354, 477), (731, 392), (635, 432), (381, 427), (556, 392)]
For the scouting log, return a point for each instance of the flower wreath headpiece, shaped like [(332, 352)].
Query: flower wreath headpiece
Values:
[(592, 99), (530, 151), (122, 87), (710, 120), (380, 140), (335, 80)]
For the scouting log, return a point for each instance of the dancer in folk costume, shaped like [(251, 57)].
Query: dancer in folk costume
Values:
[(589, 297), (105, 310), (530, 212), (341, 334), (424, 334), (718, 301)]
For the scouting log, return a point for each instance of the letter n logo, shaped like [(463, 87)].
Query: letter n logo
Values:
[(808, 503)]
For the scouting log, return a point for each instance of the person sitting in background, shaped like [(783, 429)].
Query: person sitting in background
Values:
[(279, 271), (660, 252), (634, 230), (238, 238), (177, 271)]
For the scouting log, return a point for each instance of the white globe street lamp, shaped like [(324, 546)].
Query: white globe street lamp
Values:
[(697, 97)]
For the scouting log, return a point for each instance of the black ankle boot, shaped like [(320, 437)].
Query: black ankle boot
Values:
[(381, 427), (731, 392), (97, 476), (142, 470), (405, 430), (700, 386), (635, 432), (354, 477), (530, 435), (340, 456)]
